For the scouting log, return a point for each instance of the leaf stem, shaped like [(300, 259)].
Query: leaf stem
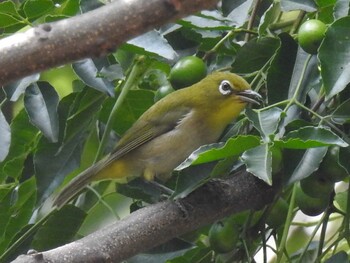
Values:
[(287, 225), (128, 84)]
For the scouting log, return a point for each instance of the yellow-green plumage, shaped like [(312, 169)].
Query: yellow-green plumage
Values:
[(168, 132)]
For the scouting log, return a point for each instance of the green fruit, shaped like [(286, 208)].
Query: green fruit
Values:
[(187, 71), (311, 34), (316, 186), (277, 158), (162, 92), (309, 205), (223, 236), (278, 214), (330, 167)]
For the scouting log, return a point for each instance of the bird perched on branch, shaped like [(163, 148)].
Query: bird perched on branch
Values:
[(169, 131)]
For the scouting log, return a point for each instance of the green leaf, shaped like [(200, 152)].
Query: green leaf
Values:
[(309, 163), (41, 101), (341, 114), (341, 200), (305, 5), (59, 229), (265, 121), (255, 54), (258, 161), (36, 8), (218, 151), (151, 43), (280, 72), (334, 55), (136, 103), (5, 138), (17, 88), (239, 15), (7, 20), (8, 7), (87, 71), (22, 143), (19, 208), (340, 257), (269, 17), (309, 137)]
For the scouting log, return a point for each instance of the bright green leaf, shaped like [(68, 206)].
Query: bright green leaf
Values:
[(36, 8)]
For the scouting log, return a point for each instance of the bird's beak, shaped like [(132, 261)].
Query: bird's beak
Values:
[(250, 96)]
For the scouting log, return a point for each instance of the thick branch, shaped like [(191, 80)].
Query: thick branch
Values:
[(89, 35), (156, 224)]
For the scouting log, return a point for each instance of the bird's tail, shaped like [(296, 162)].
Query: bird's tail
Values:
[(76, 185)]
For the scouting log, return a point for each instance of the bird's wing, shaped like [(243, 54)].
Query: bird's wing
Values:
[(152, 125)]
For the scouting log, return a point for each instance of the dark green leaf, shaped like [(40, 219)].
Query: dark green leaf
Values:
[(217, 151), (60, 228), (308, 164), (309, 137), (36, 8), (255, 54), (334, 55), (258, 161), (151, 43), (340, 257), (41, 101), (20, 209), (16, 89), (280, 72), (305, 5), (136, 103), (87, 72), (266, 121), (269, 17), (342, 114), (23, 137), (5, 138)]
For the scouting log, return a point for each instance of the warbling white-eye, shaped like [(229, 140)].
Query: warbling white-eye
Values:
[(169, 131)]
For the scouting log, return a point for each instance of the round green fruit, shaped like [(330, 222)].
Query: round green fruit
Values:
[(223, 236), (311, 34), (309, 205), (316, 186), (162, 92), (187, 71), (330, 167), (278, 214)]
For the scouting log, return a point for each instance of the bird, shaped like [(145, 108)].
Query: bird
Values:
[(169, 131)]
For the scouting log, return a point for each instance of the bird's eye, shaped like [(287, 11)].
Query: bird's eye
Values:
[(225, 87)]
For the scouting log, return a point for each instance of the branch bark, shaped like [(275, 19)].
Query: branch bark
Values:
[(89, 35), (159, 223)]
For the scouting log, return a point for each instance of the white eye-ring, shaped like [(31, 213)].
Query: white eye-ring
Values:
[(225, 87)]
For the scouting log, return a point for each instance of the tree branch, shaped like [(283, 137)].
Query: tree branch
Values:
[(92, 34), (159, 223)]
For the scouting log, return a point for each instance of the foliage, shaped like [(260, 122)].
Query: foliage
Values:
[(55, 124)]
